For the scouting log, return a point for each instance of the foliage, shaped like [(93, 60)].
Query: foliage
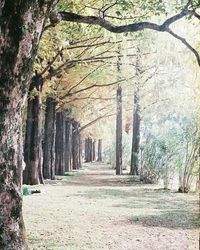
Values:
[(169, 144)]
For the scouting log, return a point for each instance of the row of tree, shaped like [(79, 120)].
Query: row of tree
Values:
[(56, 148), (90, 150)]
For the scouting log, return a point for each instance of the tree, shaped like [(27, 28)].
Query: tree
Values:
[(136, 125), (68, 146), (76, 159), (32, 174), (94, 151), (119, 132), (60, 143), (136, 134), (18, 49), (49, 139), (89, 149), (99, 158)]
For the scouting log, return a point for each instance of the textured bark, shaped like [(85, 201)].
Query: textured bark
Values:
[(32, 155), (68, 146), (18, 45), (119, 132), (86, 150), (89, 149), (94, 151), (136, 134), (49, 139), (99, 150), (80, 150), (75, 146), (60, 143)]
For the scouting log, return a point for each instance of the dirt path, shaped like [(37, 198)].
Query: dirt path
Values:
[(94, 209)]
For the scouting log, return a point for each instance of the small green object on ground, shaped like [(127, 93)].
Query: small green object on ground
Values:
[(26, 191)]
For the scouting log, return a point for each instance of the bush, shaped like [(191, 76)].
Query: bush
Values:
[(149, 176)]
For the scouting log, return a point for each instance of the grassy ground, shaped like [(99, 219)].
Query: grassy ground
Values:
[(93, 209)]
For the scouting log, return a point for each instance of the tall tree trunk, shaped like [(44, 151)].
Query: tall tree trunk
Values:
[(80, 150), (86, 149), (119, 132), (49, 139), (136, 134), (68, 146), (40, 165), (75, 146), (94, 151), (18, 47), (60, 143), (99, 150), (90, 150), (32, 174)]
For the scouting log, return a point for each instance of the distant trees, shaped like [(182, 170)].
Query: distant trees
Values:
[(90, 150)]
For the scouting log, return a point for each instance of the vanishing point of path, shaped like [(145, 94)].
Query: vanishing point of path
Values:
[(93, 209)]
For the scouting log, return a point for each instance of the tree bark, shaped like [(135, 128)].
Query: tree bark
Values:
[(80, 149), (89, 149), (49, 139), (68, 146), (136, 134), (94, 151), (119, 132), (86, 149), (75, 146), (32, 174), (60, 143), (99, 150), (18, 47)]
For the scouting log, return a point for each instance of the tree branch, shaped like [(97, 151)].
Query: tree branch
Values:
[(134, 27), (186, 44), (95, 120), (83, 79), (93, 20), (91, 98), (96, 86)]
